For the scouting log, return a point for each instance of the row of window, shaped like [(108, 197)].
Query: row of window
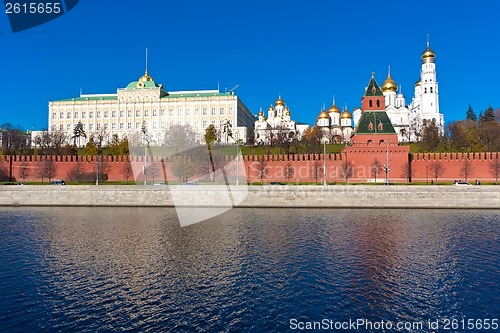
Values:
[(138, 125), (180, 112)]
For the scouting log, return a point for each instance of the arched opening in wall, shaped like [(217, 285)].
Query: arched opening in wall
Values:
[(291, 134), (425, 122), (431, 89), (369, 142), (337, 139), (381, 142), (378, 103), (425, 90), (370, 103)]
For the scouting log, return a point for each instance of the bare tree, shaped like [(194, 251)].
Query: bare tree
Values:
[(376, 168), (127, 170), (103, 168), (75, 174), (467, 168), (495, 169), (153, 171), (183, 167), (262, 168), (24, 171), (46, 169), (437, 169), (316, 170), (407, 171), (289, 171), (347, 168)]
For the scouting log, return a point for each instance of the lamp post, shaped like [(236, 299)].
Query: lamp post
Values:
[(386, 167), (324, 163), (237, 166), (426, 172)]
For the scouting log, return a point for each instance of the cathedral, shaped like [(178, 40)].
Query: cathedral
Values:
[(408, 120), (336, 126)]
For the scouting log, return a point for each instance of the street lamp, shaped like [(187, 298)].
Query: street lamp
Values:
[(386, 166), (324, 163), (426, 172)]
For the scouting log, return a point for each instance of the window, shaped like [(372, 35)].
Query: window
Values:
[(431, 89), (162, 112), (196, 123), (179, 112), (84, 114), (105, 126), (205, 124), (129, 113), (188, 112), (91, 127), (370, 103), (121, 125), (154, 113), (105, 113), (68, 127), (188, 122), (137, 113), (113, 126), (98, 114), (378, 103), (221, 111), (162, 124), (137, 125), (68, 115), (60, 127), (221, 123), (213, 111), (179, 122), (76, 114), (213, 122), (425, 90), (61, 115), (205, 112), (230, 110), (53, 115), (91, 114), (170, 112), (98, 126), (146, 112), (122, 113), (129, 125), (83, 126), (154, 124), (196, 110), (113, 114)]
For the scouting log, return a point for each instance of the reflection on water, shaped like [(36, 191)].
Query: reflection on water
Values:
[(101, 269)]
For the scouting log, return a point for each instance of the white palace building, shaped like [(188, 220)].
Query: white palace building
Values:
[(144, 102), (408, 120)]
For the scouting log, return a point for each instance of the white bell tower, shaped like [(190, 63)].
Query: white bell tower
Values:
[(429, 98)]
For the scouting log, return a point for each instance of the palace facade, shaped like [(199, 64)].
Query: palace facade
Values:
[(145, 104)]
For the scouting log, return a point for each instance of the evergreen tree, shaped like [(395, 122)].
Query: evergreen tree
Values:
[(489, 114), (471, 115)]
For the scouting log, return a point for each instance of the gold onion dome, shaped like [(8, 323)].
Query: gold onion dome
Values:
[(334, 108), (279, 101), (270, 108), (346, 115), (287, 113), (261, 113), (389, 84), (323, 115), (428, 55), (145, 77), (418, 83)]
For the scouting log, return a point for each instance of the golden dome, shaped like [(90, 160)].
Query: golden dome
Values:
[(279, 101), (334, 108), (261, 113), (389, 84), (428, 55), (417, 83), (145, 77), (270, 108), (323, 115), (346, 115), (287, 113)]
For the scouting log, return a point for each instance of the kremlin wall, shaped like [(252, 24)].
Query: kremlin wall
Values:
[(303, 166)]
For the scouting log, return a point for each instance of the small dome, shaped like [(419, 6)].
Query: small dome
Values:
[(279, 102), (287, 113), (400, 95), (389, 84), (145, 77), (428, 55), (270, 108), (346, 115), (261, 113), (334, 108), (323, 115), (418, 83)]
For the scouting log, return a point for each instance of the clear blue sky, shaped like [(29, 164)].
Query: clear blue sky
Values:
[(306, 51)]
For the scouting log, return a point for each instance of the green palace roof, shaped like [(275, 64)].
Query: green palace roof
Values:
[(375, 122), (113, 97), (373, 89)]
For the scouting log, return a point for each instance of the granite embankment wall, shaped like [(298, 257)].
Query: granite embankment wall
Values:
[(285, 168), (334, 196)]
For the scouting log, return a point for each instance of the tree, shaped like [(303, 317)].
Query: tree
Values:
[(471, 115), (495, 168), (153, 171), (58, 139), (316, 170), (431, 138), (311, 138), (262, 168), (127, 170), (75, 174), (437, 169), (376, 168), (24, 171), (210, 138), (407, 171), (467, 168), (103, 168), (78, 132), (183, 167), (90, 148), (46, 169), (347, 169), (289, 171), (489, 115)]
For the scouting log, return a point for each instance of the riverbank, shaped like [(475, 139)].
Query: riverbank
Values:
[(336, 196)]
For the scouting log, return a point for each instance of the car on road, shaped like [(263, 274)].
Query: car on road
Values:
[(190, 183), (462, 184), (58, 182)]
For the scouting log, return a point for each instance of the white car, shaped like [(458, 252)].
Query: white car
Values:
[(462, 184)]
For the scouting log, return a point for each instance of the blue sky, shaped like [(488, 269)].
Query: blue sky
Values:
[(305, 51)]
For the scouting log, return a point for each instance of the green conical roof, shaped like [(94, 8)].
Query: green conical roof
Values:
[(375, 122), (373, 89)]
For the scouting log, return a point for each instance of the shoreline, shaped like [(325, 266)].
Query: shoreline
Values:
[(267, 196)]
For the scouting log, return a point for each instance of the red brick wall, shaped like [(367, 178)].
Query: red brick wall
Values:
[(303, 164)]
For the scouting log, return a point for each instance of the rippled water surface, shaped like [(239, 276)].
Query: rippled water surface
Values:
[(249, 270)]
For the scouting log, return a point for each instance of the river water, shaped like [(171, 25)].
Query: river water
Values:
[(248, 270)]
